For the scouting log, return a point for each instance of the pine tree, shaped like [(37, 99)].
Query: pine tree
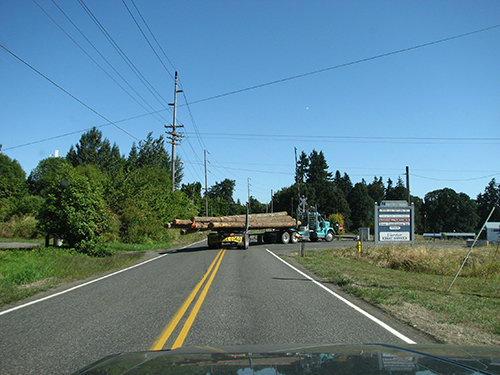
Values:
[(486, 201)]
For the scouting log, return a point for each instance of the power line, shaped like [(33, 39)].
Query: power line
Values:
[(346, 64), (51, 138), (227, 169), (341, 138), (255, 170), (188, 140), (145, 37), (304, 75), (197, 132), (94, 61), (200, 140), (158, 44), (457, 180), (77, 131), (342, 65), (122, 54), (67, 92)]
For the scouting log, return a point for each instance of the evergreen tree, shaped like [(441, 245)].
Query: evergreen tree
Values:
[(92, 149), (133, 156), (302, 168), (193, 192), (255, 207), (376, 190), (343, 183), (362, 206), (221, 199), (395, 193), (317, 173), (486, 201), (152, 153), (318, 183), (389, 189), (340, 206), (87, 150), (286, 199)]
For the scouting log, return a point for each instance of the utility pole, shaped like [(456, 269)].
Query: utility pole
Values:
[(408, 184), (272, 203), (206, 187), (173, 136), (297, 179), (248, 183)]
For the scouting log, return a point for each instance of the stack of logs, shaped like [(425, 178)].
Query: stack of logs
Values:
[(255, 221)]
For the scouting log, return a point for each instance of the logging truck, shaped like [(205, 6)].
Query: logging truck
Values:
[(310, 226), (278, 227)]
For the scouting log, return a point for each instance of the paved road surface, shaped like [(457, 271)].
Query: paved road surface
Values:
[(238, 297), (18, 245)]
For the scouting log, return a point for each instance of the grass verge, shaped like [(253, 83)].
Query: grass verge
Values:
[(412, 282), (25, 272)]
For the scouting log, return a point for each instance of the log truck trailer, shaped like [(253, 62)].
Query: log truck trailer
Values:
[(312, 227)]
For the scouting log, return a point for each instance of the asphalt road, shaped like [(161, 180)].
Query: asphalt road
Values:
[(238, 297)]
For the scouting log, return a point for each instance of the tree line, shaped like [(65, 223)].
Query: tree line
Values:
[(95, 195), (352, 205)]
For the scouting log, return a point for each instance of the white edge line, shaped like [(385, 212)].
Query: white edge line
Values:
[(350, 304), (89, 282)]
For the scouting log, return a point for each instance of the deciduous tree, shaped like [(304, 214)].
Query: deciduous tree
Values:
[(12, 185), (448, 211), (45, 173), (75, 210)]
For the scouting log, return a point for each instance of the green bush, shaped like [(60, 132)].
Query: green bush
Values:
[(94, 247), (148, 203), (75, 210)]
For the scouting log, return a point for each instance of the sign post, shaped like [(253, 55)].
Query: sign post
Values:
[(394, 222)]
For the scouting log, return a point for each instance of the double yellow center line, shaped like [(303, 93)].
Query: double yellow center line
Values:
[(167, 332)]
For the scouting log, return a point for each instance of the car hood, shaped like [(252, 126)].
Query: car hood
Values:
[(301, 360)]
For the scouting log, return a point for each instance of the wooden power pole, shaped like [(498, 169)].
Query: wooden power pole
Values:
[(408, 184), (173, 136), (206, 187)]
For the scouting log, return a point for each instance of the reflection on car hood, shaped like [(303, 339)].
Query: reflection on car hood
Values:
[(301, 360)]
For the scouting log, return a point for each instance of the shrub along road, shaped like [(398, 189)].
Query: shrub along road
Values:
[(187, 297)]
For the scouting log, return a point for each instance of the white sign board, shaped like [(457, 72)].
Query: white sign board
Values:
[(394, 222)]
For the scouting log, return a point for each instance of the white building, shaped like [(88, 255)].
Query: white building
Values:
[(493, 232)]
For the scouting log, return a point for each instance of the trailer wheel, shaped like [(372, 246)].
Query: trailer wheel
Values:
[(213, 244), (285, 237), (246, 241), (293, 237), (329, 236)]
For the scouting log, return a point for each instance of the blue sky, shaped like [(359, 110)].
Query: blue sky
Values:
[(435, 109)]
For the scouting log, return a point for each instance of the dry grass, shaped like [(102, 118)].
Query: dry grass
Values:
[(429, 259), (412, 283)]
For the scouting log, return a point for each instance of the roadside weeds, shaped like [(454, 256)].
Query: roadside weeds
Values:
[(28, 271), (467, 315)]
